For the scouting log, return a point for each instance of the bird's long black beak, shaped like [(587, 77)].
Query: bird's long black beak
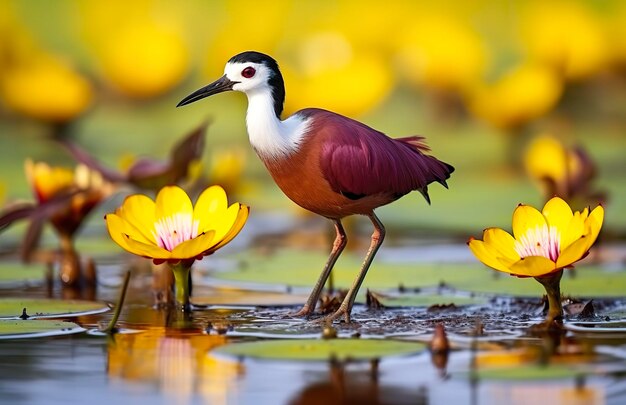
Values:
[(220, 85)]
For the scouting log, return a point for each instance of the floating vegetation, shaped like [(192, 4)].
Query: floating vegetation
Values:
[(36, 308), (529, 372), (14, 274), (20, 329), (428, 300), (320, 349), (286, 270), (246, 298)]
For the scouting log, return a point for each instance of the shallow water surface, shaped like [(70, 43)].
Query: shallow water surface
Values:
[(161, 356)]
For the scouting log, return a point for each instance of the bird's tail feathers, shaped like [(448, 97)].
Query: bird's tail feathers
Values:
[(424, 192), (417, 142)]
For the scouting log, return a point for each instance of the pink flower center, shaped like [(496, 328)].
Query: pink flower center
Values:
[(541, 241), (171, 231)]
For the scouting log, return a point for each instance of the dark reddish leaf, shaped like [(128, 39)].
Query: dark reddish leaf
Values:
[(85, 158), (188, 150), (147, 173), (17, 212)]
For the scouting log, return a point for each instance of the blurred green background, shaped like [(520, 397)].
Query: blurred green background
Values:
[(479, 79)]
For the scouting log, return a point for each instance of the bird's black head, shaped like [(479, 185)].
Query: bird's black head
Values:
[(247, 72)]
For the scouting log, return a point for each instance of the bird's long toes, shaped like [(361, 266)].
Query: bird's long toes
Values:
[(341, 312), (304, 312)]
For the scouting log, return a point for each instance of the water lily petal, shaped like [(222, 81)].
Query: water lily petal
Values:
[(573, 253), (172, 200), (147, 250), (118, 229), (212, 212), (486, 255), (212, 200), (139, 211), (224, 225), (557, 213), (242, 216), (585, 214), (526, 217), (194, 247), (593, 224), (573, 231), (502, 241), (533, 266)]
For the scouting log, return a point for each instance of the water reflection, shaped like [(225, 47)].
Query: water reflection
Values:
[(564, 393), (176, 361)]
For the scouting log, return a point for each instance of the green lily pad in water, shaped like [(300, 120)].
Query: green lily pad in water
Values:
[(586, 281), (96, 246), (249, 298), (529, 372), (320, 349), (20, 329), (427, 300), (15, 274), (302, 268), (48, 308)]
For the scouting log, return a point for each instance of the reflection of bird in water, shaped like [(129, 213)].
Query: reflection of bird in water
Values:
[(342, 388), (326, 163)]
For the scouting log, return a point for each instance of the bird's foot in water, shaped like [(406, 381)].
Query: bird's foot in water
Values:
[(304, 312), (341, 312)]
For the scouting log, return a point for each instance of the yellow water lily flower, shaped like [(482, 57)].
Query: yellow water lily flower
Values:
[(521, 95), (430, 52), (542, 242), (46, 88), (547, 159), (145, 60), (65, 197), (564, 171), (84, 187), (171, 229), (329, 57), (47, 181), (566, 35)]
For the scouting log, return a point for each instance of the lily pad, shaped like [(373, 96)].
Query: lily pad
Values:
[(237, 297), (14, 274), (587, 281), (320, 349), (19, 329), (302, 268), (97, 246), (48, 308), (529, 372), (427, 300), (607, 328)]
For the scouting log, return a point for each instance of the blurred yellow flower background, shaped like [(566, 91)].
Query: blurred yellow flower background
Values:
[(346, 56), (458, 72)]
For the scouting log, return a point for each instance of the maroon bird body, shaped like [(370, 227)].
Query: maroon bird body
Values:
[(363, 168), (326, 163)]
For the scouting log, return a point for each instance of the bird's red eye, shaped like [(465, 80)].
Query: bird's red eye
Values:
[(248, 72)]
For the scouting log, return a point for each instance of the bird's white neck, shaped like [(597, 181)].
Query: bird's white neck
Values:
[(270, 137)]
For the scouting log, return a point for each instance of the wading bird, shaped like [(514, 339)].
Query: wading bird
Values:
[(324, 162)]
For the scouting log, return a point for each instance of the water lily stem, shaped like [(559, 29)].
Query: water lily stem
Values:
[(118, 308), (69, 266), (552, 285), (181, 279)]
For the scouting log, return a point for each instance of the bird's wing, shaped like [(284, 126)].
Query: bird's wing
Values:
[(358, 161)]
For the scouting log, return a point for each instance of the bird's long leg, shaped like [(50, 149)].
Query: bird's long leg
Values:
[(338, 245), (377, 239)]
